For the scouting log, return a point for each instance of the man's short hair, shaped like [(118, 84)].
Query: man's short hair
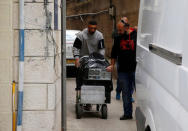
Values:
[(125, 24), (92, 22)]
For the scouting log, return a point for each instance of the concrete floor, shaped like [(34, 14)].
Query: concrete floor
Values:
[(93, 121)]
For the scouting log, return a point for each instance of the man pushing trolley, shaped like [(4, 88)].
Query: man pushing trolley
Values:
[(93, 82)]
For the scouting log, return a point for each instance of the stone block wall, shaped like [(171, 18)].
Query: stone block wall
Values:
[(6, 52), (127, 8), (42, 73)]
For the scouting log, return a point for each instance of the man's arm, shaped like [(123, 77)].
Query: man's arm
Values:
[(76, 51), (113, 57), (101, 47), (111, 67)]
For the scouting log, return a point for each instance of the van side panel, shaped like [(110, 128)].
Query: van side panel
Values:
[(185, 38), (161, 22), (162, 85)]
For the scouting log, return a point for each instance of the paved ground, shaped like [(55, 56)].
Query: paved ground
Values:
[(92, 121)]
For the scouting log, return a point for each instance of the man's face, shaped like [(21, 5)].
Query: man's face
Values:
[(121, 29), (92, 29)]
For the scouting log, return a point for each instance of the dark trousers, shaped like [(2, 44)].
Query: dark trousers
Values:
[(126, 81), (119, 89), (79, 80)]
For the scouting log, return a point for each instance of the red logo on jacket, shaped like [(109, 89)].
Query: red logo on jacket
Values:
[(127, 45)]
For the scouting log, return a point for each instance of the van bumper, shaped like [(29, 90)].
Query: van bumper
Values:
[(140, 119)]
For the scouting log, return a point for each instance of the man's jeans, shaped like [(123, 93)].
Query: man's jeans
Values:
[(126, 81), (119, 89)]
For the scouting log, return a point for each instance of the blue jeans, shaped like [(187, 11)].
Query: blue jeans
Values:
[(126, 81), (119, 89)]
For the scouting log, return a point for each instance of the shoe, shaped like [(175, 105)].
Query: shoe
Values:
[(132, 100), (126, 117), (117, 96)]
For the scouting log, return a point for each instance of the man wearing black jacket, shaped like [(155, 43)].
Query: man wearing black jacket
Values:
[(124, 51)]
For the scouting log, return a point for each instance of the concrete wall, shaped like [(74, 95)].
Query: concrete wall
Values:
[(6, 51), (41, 99), (127, 8), (42, 87)]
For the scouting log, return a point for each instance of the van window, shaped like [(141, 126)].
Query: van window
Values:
[(161, 23)]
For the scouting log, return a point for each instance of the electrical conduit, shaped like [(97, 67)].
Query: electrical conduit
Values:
[(21, 67)]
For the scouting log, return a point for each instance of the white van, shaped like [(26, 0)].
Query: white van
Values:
[(70, 62), (162, 69)]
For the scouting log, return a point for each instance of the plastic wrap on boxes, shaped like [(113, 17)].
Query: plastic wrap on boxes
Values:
[(95, 60)]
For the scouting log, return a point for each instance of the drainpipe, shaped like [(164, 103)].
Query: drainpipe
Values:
[(113, 14), (63, 64), (21, 67)]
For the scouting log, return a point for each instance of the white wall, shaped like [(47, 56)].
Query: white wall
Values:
[(42, 84), (42, 87), (41, 73), (6, 47)]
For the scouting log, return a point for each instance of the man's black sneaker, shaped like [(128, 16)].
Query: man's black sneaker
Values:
[(126, 117)]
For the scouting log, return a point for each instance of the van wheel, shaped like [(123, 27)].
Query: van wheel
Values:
[(147, 128)]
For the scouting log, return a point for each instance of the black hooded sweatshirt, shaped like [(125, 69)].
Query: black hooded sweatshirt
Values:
[(124, 51)]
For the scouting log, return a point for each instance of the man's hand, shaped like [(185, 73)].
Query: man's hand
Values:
[(136, 28), (77, 63), (110, 68)]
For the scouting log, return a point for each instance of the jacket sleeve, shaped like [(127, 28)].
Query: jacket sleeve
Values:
[(100, 41), (101, 44), (76, 47), (101, 47), (102, 51), (114, 49)]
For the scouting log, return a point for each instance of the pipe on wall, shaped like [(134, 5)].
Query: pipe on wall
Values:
[(21, 66), (63, 65)]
